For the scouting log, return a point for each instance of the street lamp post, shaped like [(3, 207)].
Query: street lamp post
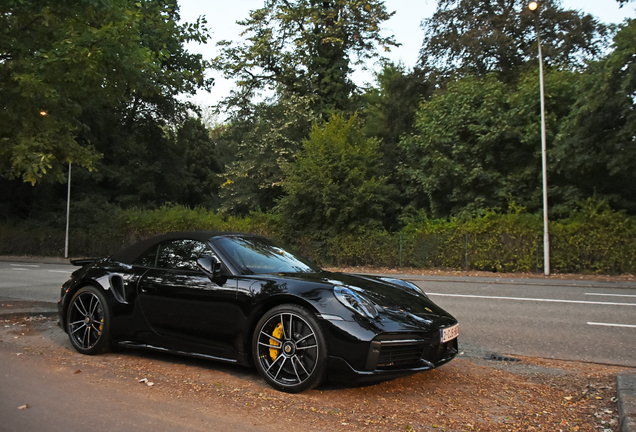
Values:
[(534, 7), (68, 210)]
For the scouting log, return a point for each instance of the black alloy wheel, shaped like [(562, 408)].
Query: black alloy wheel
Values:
[(289, 349), (88, 321)]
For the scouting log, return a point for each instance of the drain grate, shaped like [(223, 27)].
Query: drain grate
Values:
[(501, 358)]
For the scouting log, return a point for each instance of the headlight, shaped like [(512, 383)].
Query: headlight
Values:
[(355, 302), (405, 284)]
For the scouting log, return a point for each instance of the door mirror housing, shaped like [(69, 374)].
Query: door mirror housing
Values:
[(210, 266)]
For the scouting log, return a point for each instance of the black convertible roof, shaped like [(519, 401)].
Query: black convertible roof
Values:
[(130, 254)]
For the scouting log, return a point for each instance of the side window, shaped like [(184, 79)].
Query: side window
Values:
[(148, 258), (181, 254)]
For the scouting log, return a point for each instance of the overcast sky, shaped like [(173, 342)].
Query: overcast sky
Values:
[(405, 25)]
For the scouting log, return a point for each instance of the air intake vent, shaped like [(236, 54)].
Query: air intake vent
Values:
[(400, 354)]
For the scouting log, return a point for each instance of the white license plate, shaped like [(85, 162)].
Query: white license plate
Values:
[(449, 333)]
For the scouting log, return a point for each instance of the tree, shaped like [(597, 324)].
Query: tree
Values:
[(595, 150), (202, 165), (334, 185), (478, 37), (477, 143), (298, 54), (60, 62), (256, 147), (388, 112), (388, 108), (304, 48)]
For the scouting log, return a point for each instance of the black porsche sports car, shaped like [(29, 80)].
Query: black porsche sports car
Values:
[(243, 299)]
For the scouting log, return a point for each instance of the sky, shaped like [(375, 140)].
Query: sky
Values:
[(404, 25)]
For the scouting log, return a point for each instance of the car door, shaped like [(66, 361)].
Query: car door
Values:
[(182, 305)]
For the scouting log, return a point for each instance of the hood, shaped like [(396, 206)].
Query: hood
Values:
[(393, 297), (390, 294)]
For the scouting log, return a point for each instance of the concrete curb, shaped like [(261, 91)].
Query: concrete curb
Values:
[(15, 309), (19, 315), (626, 395)]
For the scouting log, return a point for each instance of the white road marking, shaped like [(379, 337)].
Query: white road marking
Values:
[(532, 299), (612, 325), (611, 295), (20, 269), (24, 265)]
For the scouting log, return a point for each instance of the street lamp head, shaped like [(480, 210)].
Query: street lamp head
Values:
[(43, 113), (533, 6)]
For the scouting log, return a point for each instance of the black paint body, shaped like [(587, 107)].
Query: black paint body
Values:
[(185, 311)]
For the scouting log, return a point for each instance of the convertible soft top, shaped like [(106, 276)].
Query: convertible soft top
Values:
[(131, 253)]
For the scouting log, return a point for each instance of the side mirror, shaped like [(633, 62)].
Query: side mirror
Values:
[(209, 265)]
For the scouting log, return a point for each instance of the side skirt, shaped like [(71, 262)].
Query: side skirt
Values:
[(129, 344)]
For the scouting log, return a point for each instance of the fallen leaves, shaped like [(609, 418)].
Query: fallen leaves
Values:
[(467, 394)]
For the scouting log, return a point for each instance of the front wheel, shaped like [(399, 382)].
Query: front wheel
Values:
[(88, 321), (289, 349)]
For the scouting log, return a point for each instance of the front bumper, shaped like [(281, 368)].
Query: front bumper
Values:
[(59, 314), (389, 360)]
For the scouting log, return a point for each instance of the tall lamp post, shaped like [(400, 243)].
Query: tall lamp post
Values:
[(534, 7), (68, 210)]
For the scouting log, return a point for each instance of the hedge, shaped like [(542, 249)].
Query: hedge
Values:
[(594, 239)]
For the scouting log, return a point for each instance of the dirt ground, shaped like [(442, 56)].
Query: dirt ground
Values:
[(468, 394)]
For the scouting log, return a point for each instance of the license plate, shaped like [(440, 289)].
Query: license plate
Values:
[(450, 333)]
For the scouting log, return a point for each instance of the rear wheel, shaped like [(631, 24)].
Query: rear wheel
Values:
[(289, 349), (88, 321)]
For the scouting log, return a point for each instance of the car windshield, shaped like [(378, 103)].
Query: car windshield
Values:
[(256, 255)]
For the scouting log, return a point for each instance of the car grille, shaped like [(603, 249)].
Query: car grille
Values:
[(400, 354), (388, 353)]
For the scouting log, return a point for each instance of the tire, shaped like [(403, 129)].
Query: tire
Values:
[(88, 321), (290, 360)]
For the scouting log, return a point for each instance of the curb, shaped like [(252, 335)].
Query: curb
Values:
[(11, 309), (27, 314), (626, 395)]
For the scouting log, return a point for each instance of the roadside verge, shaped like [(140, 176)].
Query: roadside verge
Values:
[(11, 309)]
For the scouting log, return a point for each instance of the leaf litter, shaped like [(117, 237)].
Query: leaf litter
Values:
[(468, 394)]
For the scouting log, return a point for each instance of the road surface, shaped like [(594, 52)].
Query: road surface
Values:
[(562, 319)]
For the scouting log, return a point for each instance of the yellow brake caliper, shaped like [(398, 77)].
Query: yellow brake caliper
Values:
[(277, 333)]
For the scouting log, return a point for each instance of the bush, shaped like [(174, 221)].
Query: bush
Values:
[(594, 239), (102, 230)]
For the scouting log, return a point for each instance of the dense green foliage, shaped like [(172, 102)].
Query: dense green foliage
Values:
[(433, 164), (301, 54), (478, 37), (67, 68), (596, 147), (594, 239), (304, 48), (475, 144), (260, 144), (335, 185)]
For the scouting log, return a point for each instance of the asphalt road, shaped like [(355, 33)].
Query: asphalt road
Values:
[(33, 281), (561, 319)]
